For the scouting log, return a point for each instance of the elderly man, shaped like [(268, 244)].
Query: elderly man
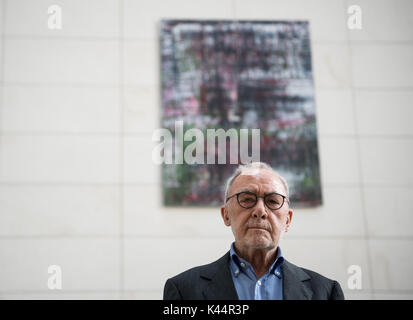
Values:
[(257, 209)]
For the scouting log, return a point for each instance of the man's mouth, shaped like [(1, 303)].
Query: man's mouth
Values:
[(258, 228)]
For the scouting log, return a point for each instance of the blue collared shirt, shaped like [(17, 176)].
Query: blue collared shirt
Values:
[(248, 287)]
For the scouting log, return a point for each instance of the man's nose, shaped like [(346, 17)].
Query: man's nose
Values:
[(259, 209)]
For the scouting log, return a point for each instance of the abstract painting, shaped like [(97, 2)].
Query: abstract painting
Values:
[(240, 75)]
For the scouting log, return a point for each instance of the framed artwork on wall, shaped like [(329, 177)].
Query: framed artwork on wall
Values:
[(236, 76)]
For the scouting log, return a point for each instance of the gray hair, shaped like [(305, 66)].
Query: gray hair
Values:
[(252, 165)]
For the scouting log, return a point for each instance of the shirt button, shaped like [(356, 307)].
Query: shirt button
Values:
[(278, 274), (259, 282), (236, 272), (242, 264)]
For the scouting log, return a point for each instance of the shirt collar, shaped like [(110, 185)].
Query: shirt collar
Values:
[(238, 260)]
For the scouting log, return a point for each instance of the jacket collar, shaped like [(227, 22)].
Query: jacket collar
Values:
[(221, 287), (295, 282)]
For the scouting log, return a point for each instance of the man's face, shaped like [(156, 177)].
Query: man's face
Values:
[(258, 227)]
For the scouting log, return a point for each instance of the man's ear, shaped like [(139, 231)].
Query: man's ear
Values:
[(225, 215), (289, 218)]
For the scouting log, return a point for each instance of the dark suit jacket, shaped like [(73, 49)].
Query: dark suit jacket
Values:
[(214, 282)]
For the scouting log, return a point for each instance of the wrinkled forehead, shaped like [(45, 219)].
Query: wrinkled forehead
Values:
[(259, 181)]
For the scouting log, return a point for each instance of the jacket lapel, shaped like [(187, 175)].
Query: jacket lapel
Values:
[(295, 283), (220, 286)]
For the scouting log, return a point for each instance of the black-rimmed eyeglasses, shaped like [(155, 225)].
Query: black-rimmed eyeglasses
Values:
[(247, 199)]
